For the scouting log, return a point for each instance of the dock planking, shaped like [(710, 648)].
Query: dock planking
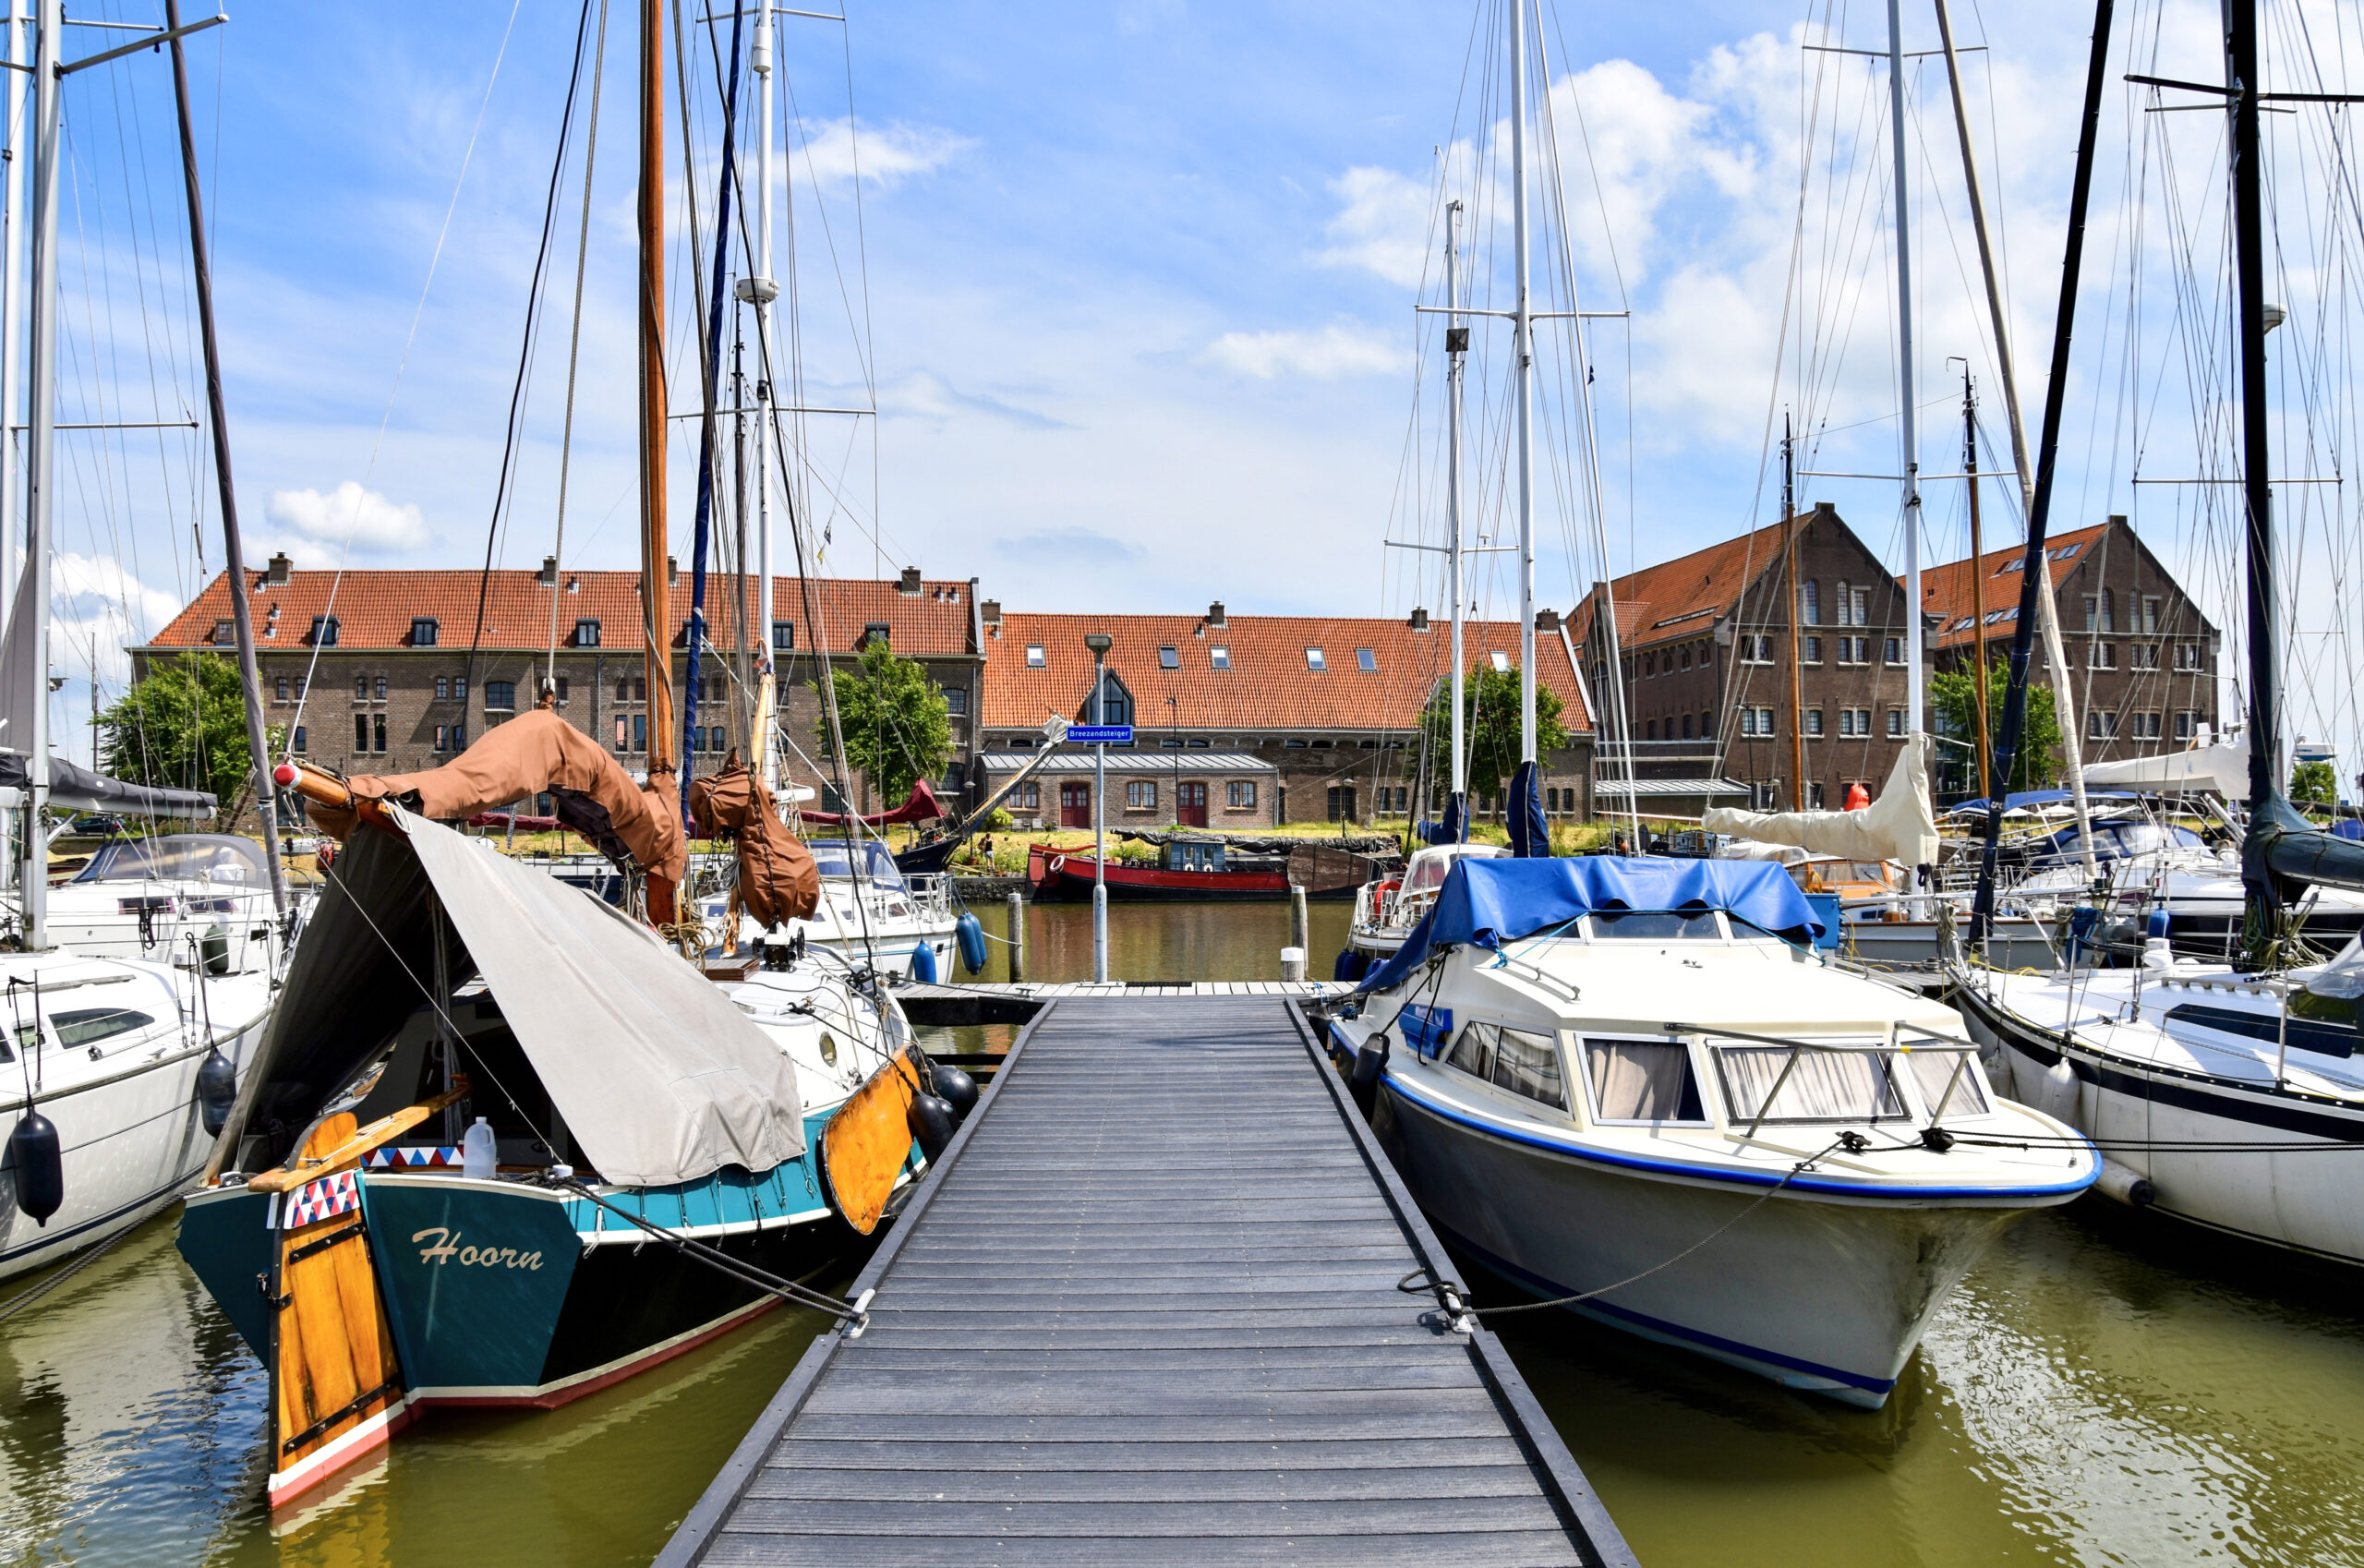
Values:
[(1144, 1311)]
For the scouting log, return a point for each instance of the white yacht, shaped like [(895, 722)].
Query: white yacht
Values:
[(1387, 909), (1637, 1079), (162, 898), (871, 913)]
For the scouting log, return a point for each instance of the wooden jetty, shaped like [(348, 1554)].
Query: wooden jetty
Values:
[(1016, 1003), (1145, 1311)]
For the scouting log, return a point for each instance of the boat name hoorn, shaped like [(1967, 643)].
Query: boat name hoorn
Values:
[(446, 1246)]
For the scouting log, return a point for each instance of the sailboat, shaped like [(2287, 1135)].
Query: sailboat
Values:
[(504, 1144), (124, 1035), (2220, 1093), (1634, 1087)]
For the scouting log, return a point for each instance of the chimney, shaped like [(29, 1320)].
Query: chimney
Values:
[(548, 578), (1420, 621), (672, 571), (2118, 519), (1546, 621), (1825, 511), (280, 566), (1214, 614), (991, 611), (910, 582)]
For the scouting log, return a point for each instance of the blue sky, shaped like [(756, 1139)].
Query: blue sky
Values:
[(1131, 284)]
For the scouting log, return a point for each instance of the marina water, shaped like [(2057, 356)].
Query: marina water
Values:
[(2105, 1388)]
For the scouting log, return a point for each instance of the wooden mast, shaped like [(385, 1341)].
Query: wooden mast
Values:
[(656, 590)]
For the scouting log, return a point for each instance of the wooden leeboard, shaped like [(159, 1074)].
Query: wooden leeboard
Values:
[(332, 1344), (863, 1147)]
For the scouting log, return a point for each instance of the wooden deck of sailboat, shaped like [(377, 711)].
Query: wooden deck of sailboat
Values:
[(1146, 1310)]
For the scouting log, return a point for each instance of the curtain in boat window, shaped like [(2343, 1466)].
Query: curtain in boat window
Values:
[(1642, 1080), (1524, 1063), (1825, 1086), (1936, 1071)]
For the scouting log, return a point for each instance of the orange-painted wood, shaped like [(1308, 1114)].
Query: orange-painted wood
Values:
[(866, 1142)]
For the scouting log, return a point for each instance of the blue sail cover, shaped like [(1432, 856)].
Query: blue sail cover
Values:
[(1530, 835), (1489, 902), (1457, 821)]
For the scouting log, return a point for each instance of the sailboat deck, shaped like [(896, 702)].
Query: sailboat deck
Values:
[(1145, 1310)]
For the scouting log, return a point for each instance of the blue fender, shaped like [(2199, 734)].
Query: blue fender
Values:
[(924, 964), (971, 936)]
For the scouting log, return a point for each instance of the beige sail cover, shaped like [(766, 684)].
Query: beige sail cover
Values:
[(660, 1077), (1897, 826), (534, 752)]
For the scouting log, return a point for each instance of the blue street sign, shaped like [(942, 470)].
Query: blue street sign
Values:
[(1100, 734)]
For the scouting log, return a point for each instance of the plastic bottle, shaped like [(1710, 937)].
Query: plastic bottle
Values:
[(481, 1151)]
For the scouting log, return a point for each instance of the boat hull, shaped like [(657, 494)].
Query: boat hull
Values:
[(2300, 1200), (1828, 1297), (1069, 878)]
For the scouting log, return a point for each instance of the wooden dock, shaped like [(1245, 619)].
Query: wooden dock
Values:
[(1145, 1311), (927, 1003)]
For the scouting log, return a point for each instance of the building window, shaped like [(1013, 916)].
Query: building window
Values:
[(1198, 742), (956, 701), (279, 690), (1756, 721), (459, 737), (1219, 657), (378, 732), (2146, 726), (1686, 656), (1859, 607), (361, 688), (422, 631), (2188, 656), (1027, 796), (879, 630), (500, 695), (360, 733), (2102, 656), (2148, 622), (1240, 794), (624, 733), (224, 632), (441, 734), (783, 634), (1810, 603), (1116, 703), (300, 739), (586, 633), (1315, 660), (1502, 662), (323, 632), (1895, 724), (1810, 650), (1686, 727), (1755, 647), (1140, 794), (1651, 730), (1814, 723), (1367, 660), (1169, 656), (2187, 725), (640, 731), (301, 681), (2142, 656), (1034, 656), (381, 688), (2100, 726), (2101, 611), (1896, 650)]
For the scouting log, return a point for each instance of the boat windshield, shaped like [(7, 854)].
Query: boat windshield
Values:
[(836, 858), (181, 857), (1429, 868), (2123, 840), (1657, 925)]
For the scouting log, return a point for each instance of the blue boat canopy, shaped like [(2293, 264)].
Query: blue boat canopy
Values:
[(2025, 798), (1487, 902)]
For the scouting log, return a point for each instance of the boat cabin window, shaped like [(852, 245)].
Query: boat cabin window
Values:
[(1950, 1084), (1642, 1080), (1657, 925), (181, 857), (1783, 1084), (86, 1026), (1524, 1063), (28, 1043), (835, 858)]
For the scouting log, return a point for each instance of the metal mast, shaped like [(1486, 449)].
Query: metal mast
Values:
[(12, 284), (40, 464), (1523, 346), (233, 552), (760, 290), (1986, 786), (1797, 665), (1457, 344), (1905, 383), (2262, 900)]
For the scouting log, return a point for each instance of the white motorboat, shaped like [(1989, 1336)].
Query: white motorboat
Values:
[(2165, 867), (126, 1061), (872, 915), (2176, 1067), (160, 899), (1636, 1080), (1387, 909)]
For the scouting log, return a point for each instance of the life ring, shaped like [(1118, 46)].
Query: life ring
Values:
[(1059, 863)]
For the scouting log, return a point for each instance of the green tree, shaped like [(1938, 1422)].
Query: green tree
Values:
[(1490, 718), (896, 725), (1954, 697), (2314, 784), (183, 726)]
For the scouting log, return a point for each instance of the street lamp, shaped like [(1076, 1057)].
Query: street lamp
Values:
[(1176, 741), (1099, 643)]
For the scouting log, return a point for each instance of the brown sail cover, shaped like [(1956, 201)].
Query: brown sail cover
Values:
[(534, 752), (777, 880)]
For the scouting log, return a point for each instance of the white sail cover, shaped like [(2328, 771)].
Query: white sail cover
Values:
[(1897, 826), (2224, 767)]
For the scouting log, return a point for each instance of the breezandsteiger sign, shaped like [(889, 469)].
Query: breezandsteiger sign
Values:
[(1100, 735)]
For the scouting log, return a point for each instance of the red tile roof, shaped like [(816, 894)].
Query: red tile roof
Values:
[(1681, 598), (1946, 590), (1270, 684), (374, 610)]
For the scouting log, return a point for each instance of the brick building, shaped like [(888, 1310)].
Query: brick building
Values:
[(1272, 718), (375, 673), (1705, 646), (2142, 657)]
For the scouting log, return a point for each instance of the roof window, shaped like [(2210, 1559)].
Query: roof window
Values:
[(2065, 551), (1034, 656), (1367, 660), (1169, 658), (587, 633), (1314, 661), (1219, 655), (323, 632), (1502, 662)]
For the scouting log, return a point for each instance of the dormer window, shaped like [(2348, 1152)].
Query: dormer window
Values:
[(783, 635), (587, 633), (1314, 660), (323, 632), (875, 630), (422, 631), (224, 632), (1169, 658)]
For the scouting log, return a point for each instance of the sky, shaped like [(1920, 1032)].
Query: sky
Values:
[(1131, 289)]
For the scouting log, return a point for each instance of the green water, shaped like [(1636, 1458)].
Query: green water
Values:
[(2104, 1389)]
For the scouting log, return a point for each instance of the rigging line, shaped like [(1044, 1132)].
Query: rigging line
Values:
[(575, 336), (311, 667), (509, 453)]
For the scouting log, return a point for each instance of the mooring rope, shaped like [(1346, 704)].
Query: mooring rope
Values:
[(714, 1258)]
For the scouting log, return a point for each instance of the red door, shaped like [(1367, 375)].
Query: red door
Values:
[(1075, 805), (1192, 801)]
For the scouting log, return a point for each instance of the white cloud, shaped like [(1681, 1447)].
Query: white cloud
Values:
[(373, 524), (1326, 355), (885, 155), (921, 395), (96, 607), (1383, 225)]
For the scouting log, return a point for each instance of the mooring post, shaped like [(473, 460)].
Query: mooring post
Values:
[(1297, 931), (1017, 939)]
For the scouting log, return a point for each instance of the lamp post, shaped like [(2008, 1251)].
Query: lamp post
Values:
[(1171, 721), (1098, 642)]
